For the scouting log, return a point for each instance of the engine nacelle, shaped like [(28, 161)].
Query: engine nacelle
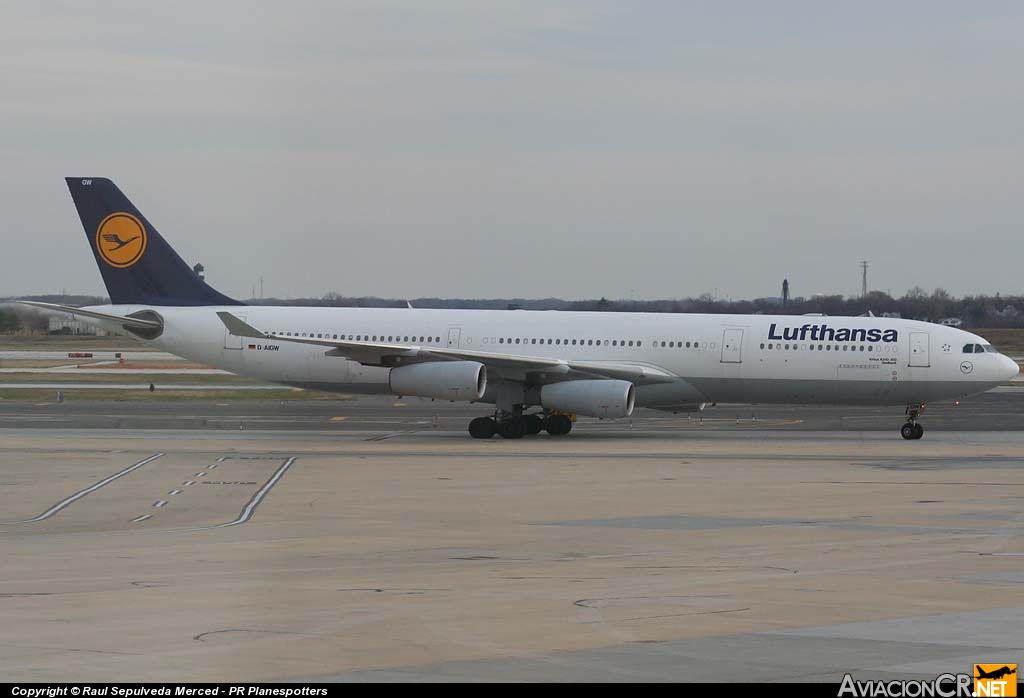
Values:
[(444, 380), (594, 398)]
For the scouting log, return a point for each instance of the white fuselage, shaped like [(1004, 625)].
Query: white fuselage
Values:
[(717, 358)]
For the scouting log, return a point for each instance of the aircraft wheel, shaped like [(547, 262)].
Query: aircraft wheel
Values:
[(514, 428), (558, 425), (918, 430), (481, 428), (534, 424), (909, 431)]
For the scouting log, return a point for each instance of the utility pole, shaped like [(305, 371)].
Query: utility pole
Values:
[(864, 279)]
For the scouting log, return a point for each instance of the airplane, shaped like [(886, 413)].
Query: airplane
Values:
[(539, 369), (995, 674)]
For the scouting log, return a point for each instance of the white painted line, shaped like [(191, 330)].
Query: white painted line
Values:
[(213, 466), (200, 474), (174, 492), (250, 508), (142, 518), (161, 503), (88, 490), (188, 482)]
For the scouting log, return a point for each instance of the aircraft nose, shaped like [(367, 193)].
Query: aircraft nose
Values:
[(1012, 369)]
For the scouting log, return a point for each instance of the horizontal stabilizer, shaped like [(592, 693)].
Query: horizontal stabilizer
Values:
[(70, 309)]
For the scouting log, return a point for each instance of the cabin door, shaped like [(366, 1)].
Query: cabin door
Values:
[(919, 349), (732, 346), (454, 334)]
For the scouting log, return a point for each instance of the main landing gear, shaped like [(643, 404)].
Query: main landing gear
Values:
[(912, 429), (516, 427)]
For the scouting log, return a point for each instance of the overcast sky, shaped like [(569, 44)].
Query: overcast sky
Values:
[(481, 149)]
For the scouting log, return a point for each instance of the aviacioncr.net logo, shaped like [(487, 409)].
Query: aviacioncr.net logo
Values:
[(943, 686), (121, 240)]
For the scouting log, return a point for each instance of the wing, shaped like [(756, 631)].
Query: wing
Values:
[(509, 366), (71, 310), (111, 237)]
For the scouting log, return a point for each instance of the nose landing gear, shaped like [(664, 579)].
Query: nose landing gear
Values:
[(912, 429)]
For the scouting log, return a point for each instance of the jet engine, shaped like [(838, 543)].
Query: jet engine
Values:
[(594, 398), (444, 380)]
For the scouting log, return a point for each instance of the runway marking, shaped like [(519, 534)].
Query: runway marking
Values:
[(337, 419), (64, 503), (142, 518), (384, 437), (188, 483), (161, 503), (200, 474), (174, 492), (250, 508)]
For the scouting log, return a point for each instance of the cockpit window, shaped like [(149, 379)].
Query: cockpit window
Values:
[(979, 349)]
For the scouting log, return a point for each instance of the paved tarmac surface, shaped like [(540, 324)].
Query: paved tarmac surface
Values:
[(1002, 409), (359, 540)]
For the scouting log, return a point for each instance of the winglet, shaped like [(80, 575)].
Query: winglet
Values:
[(239, 328)]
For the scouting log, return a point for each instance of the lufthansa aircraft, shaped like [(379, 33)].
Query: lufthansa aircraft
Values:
[(538, 369)]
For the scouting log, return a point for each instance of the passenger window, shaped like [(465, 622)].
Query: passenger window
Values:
[(558, 341), (615, 342), (517, 340), (631, 342), (549, 341), (501, 340), (574, 342), (870, 348)]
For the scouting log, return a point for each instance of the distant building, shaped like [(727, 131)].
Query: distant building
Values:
[(60, 325), (951, 321)]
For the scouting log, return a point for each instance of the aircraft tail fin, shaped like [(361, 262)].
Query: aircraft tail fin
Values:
[(137, 264)]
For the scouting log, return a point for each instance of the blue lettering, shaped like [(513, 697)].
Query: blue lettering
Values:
[(824, 333)]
